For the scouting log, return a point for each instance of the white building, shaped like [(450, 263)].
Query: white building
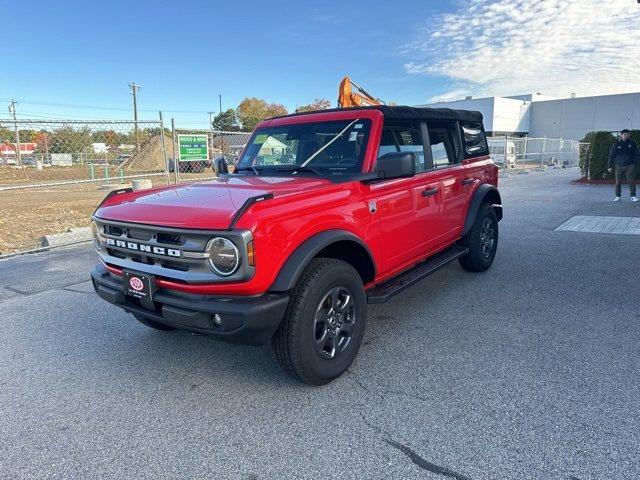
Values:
[(540, 116)]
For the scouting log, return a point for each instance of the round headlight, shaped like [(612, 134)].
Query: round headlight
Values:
[(224, 257), (95, 231)]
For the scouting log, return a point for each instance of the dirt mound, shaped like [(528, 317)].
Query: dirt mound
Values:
[(151, 157)]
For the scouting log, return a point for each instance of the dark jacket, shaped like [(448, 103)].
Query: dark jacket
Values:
[(623, 153)]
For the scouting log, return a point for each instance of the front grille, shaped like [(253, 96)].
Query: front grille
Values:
[(165, 252), (175, 266), (139, 234), (116, 253), (142, 259), (170, 238), (114, 230)]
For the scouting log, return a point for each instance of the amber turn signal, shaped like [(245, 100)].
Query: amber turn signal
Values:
[(251, 254)]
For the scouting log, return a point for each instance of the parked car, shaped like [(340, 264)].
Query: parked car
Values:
[(363, 203), (122, 158)]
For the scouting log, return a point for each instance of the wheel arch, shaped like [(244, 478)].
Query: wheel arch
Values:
[(485, 193), (338, 244)]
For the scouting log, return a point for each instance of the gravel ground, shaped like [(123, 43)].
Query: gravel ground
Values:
[(527, 371)]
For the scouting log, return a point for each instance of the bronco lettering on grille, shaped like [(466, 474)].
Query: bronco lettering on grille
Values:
[(141, 247)]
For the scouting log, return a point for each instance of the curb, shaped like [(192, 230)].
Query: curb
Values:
[(71, 236)]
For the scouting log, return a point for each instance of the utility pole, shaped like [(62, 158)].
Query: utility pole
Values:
[(210, 131), (12, 111), (134, 90), (220, 100)]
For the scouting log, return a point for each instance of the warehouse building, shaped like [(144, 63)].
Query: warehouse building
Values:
[(536, 115)]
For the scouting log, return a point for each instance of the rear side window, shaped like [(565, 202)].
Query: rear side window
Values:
[(445, 143), (403, 136), (475, 142)]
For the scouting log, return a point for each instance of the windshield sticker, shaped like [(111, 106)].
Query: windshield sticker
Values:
[(260, 139), (357, 126), (353, 137)]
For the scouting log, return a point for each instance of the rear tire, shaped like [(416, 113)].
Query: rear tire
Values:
[(153, 324), (482, 241), (324, 323)]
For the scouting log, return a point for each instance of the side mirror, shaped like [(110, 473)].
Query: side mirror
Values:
[(220, 166), (396, 165)]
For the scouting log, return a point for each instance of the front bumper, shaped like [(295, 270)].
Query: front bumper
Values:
[(245, 320)]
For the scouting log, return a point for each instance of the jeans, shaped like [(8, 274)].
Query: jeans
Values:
[(630, 172)]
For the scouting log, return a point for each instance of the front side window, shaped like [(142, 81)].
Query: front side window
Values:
[(444, 139), (326, 148), (403, 136)]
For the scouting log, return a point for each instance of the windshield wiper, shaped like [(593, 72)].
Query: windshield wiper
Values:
[(245, 169), (299, 168)]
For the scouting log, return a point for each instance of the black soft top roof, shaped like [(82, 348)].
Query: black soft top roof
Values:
[(411, 113)]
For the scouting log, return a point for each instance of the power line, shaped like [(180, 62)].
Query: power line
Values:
[(98, 107), (26, 114)]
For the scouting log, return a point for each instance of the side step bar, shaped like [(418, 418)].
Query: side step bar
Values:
[(383, 292)]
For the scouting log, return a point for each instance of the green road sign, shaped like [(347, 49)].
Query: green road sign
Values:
[(193, 147)]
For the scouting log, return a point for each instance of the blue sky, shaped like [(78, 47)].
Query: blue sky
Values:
[(183, 53)]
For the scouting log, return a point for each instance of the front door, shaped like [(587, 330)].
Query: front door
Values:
[(407, 207)]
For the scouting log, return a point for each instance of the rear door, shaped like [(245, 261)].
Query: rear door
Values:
[(476, 153), (409, 206), (445, 147)]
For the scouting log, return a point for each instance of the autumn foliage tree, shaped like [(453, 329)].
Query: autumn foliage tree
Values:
[(252, 111), (317, 104), (226, 121)]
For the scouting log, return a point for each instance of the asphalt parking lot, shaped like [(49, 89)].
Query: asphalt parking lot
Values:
[(527, 371)]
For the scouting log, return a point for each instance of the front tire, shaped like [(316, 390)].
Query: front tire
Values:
[(324, 323), (482, 241)]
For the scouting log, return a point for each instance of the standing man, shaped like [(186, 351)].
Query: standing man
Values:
[(624, 157)]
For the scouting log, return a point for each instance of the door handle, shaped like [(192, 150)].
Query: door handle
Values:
[(468, 181), (429, 192)]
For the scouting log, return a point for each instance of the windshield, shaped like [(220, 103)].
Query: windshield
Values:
[(324, 148)]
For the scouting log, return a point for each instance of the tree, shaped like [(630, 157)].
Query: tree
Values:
[(42, 142), (109, 137), (597, 156), (226, 121), (252, 111), (27, 135), (66, 139), (317, 104), (277, 110), (6, 134)]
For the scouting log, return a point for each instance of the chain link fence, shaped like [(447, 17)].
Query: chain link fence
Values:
[(522, 154), (228, 145), (53, 174), (43, 153)]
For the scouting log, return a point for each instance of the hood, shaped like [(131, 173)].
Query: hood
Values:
[(205, 205)]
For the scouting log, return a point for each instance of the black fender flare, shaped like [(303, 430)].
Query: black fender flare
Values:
[(485, 193), (293, 267)]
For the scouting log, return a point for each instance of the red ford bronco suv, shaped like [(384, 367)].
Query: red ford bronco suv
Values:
[(325, 212)]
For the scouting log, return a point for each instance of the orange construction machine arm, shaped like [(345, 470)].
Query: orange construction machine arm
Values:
[(348, 98)]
